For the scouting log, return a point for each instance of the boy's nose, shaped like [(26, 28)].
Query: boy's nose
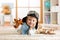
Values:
[(31, 21)]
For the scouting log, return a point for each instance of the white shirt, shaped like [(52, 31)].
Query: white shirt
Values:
[(32, 31)]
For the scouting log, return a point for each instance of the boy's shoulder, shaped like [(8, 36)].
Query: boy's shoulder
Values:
[(24, 25)]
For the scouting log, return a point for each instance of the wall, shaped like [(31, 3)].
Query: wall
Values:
[(23, 7)]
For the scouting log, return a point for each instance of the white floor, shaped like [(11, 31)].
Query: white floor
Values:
[(10, 33)]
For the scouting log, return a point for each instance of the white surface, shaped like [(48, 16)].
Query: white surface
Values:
[(7, 30), (10, 34), (28, 37)]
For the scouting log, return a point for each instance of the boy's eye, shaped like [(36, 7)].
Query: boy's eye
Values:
[(33, 20), (29, 19)]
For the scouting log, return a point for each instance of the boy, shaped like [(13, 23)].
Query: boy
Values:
[(30, 23)]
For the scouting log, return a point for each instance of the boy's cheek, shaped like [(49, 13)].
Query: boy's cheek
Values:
[(32, 26)]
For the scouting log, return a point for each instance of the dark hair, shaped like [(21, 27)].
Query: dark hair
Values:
[(32, 14), (24, 19)]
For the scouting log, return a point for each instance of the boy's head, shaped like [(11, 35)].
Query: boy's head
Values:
[(32, 19), (33, 14)]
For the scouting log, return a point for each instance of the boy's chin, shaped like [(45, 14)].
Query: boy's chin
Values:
[(31, 26)]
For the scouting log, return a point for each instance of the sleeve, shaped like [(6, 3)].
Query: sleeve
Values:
[(24, 29)]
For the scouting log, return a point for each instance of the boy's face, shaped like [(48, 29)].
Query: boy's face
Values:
[(31, 21)]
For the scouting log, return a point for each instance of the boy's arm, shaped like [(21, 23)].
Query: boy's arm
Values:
[(23, 29)]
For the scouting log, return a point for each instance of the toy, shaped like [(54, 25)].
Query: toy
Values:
[(42, 30), (6, 10), (17, 23)]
